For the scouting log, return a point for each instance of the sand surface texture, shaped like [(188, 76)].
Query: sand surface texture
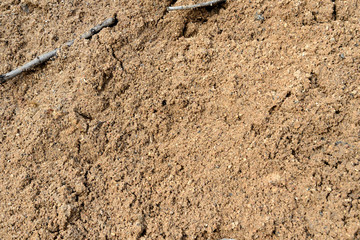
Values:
[(237, 121)]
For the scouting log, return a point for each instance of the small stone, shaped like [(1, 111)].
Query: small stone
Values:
[(297, 125), (234, 224), (259, 17), (80, 187), (25, 8), (297, 74)]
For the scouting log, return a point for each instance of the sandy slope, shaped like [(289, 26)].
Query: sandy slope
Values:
[(238, 121)]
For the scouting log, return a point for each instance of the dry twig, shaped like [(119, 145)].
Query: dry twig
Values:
[(205, 4), (46, 56)]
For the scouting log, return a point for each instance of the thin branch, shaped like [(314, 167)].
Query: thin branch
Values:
[(107, 23), (205, 4), (46, 56)]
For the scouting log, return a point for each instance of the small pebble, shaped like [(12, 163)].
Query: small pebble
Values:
[(259, 17)]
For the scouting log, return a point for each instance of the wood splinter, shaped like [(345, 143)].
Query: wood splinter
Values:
[(46, 56), (205, 4)]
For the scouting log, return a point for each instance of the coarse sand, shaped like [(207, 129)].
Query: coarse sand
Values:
[(240, 120)]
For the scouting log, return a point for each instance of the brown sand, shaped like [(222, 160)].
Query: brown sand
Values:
[(239, 121)]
